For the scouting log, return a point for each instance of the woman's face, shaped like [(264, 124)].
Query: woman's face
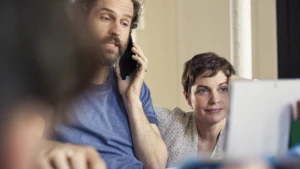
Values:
[(209, 98)]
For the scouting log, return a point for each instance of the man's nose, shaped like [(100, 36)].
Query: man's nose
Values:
[(115, 29)]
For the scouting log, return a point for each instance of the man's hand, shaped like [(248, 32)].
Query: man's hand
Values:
[(55, 155), (148, 145), (131, 87)]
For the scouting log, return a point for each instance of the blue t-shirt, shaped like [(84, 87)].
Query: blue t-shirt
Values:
[(99, 119)]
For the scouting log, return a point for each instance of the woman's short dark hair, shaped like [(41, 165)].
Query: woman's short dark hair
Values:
[(206, 64)]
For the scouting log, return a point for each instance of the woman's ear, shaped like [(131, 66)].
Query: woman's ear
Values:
[(187, 98)]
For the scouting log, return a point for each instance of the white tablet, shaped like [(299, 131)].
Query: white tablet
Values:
[(259, 117)]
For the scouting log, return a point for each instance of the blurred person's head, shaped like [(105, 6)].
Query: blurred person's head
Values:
[(42, 64), (205, 83), (109, 23)]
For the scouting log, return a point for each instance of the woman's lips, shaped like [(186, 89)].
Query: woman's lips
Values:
[(217, 110)]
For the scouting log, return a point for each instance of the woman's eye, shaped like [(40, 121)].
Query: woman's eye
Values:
[(223, 89), (202, 91)]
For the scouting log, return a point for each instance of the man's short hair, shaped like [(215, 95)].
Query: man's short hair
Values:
[(205, 64), (86, 5)]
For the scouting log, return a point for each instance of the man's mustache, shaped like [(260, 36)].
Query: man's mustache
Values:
[(114, 39)]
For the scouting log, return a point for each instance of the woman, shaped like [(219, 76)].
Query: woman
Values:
[(201, 131)]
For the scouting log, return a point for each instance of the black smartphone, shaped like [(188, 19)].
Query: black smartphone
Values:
[(126, 63)]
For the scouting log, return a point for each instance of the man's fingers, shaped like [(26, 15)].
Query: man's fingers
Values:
[(68, 156), (43, 163), (94, 160), (97, 164), (78, 161), (139, 53), (138, 48), (60, 161), (142, 63)]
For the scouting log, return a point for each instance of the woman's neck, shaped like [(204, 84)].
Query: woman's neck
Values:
[(209, 132), (208, 136)]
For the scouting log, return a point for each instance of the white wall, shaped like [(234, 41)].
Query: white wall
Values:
[(264, 39), (159, 43), (176, 30), (203, 25)]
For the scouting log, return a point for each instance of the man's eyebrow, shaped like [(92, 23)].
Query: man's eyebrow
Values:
[(128, 16), (105, 9), (111, 11)]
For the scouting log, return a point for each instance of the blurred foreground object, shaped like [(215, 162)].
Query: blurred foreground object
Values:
[(260, 116), (41, 66)]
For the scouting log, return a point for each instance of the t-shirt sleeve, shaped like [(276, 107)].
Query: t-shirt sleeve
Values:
[(147, 105)]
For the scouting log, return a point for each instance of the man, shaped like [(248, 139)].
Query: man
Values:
[(114, 116)]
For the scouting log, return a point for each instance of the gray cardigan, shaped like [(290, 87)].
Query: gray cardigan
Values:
[(179, 131)]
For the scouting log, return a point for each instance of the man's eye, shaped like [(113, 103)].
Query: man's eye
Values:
[(105, 18), (124, 24)]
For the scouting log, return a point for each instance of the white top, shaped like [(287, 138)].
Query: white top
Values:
[(179, 131)]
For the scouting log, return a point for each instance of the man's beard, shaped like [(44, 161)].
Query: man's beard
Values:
[(109, 57)]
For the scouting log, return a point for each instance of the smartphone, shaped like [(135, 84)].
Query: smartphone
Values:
[(126, 63)]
